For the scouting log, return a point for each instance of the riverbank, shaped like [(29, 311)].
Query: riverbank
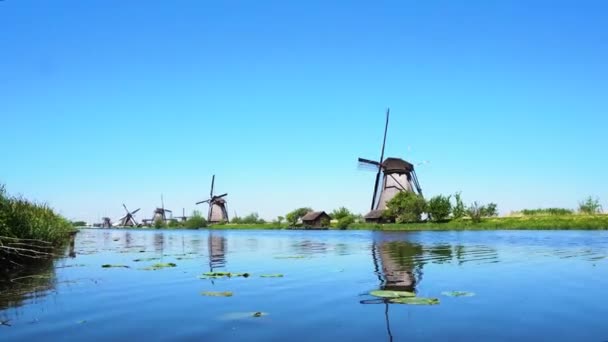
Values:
[(536, 222)]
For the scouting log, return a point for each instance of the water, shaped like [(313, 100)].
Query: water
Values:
[(528, 285)]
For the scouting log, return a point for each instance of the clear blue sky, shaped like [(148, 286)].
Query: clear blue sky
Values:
[(112, 101)]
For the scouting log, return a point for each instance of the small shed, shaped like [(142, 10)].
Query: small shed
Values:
[(374, 216), (316, 219)]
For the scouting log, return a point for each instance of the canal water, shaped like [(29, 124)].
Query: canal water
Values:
[(520, 286)]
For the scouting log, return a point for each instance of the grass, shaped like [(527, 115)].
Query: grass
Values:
[(533, 222)]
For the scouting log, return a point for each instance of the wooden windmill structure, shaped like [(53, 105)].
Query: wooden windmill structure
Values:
[(161, 213), (129, 219), (217, 206), (182, 218), (393, 175)]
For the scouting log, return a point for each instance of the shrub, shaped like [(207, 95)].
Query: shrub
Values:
[(174, 224), (340, 213), (294, 216), (280, 219), (590, 206), (406, 206), (459, 210), (78, 223), (547, 211), (195, 221), (439, 207), (489, 210), (325, 222), (159, 223), (345, 222), (475, 212)]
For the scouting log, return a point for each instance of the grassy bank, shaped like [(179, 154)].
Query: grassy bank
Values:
[(543, 222), (29, 231)]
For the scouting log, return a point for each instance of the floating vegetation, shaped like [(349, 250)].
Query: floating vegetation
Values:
[(291, 257), (74, 265), (458, 293), (277, 275), (184, 258), (243, 315), (414, 301), (116, 239), (257, 314), (146, 259), (392, 294), (114, 266), (211, 275), (217, 294), (160, 266)]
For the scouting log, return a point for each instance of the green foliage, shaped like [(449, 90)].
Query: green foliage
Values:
[(475, 212), (405, 207), (22, 219), (439, 207), (195, 221), (280, 219), (78, 223), (174, 224), (489, 210), (294, 216), (252, 218), (459, 210), (340, 213), (391, 294), (159, 223), (345, 222), (547, 211), (590, 206), (325, 222)]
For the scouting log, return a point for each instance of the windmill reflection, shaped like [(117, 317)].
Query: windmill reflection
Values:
[(398, 264), (217, 251)]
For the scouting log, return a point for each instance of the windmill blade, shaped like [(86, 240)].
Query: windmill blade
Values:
[(212, 184), (124, 206), (370, 162), (167, 210), (381, 160), (220, 196), (134, 212), (201, 202)]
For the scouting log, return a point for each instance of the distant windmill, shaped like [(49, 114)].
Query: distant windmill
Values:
[(106, 222), (128, 220), (217, 206), (393, 175), (182, 218), (161, 213)]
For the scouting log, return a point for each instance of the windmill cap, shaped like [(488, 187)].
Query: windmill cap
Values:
[(396, 165)]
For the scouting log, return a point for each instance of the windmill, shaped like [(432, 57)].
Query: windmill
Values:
[(161, 213), (106, 222), (217, 206), (393, 175), (182, 218), (128, 220)]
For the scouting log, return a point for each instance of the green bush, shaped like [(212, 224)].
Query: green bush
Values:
[(475, 212), (590, 206), (325, 222), (294, 216), (439, 208), (159, 223), (340, 213), (547, 211), (195, 221), (459, 210), (405, 207), (345, 222), (489, 210)]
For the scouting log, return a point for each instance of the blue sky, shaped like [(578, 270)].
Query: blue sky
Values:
[(105, 102)]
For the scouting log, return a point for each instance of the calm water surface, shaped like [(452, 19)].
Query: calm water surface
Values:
[(528, 285)]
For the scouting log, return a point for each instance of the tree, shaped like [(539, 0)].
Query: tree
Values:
[(252, 218), (325, 222), (475, 212), (294, 216), (280, 219), (159, 223), (195, 221), (459, 210), (439, 207), (489, 210), (346, 221), (590, 206), (340, 213), (78, 223), (406, 206)]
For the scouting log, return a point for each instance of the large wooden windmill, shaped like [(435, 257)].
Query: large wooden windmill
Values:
[(161, 213), (393, 176), (217, 206), (129, 219)]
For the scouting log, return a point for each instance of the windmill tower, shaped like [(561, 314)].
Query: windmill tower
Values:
[(106, 222), (161, 213), (182, 218), (128, 220), (393, 175), (217, 206)]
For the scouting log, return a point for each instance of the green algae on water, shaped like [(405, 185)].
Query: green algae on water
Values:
[(458, 293), (392, 294), (217, 294), (276, 275), (114, 266), (160, 266), (414, 301)]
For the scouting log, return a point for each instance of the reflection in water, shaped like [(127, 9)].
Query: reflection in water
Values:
[(217, 251)]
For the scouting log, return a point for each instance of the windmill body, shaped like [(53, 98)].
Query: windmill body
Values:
[(160, 214), (394, 175), (217, 206), (129, 219)]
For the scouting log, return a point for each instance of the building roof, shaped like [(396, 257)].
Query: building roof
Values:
[(374, 214), (396, 165), (313, 215)]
